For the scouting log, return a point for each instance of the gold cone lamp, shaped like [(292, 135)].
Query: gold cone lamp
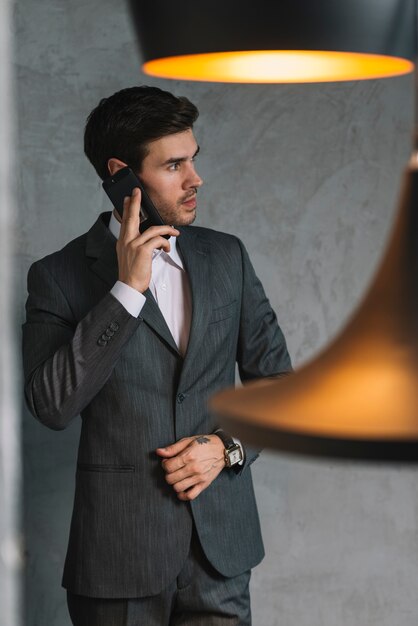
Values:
[(359, 397)]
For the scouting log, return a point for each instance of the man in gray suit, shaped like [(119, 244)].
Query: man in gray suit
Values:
[(135, 332)]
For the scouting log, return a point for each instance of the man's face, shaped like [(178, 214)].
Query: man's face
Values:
[(170, 178)]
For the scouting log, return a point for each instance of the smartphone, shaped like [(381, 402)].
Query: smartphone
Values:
[(122, 184)]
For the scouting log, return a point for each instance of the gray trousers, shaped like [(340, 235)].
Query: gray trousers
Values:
[(199, 596)]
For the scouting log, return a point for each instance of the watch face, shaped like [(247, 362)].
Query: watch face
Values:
[(235, 455)]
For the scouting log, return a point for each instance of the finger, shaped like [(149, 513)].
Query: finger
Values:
[(156, 243), (175, 476), (158, 231), (170, 466), (192, 493), (130, 219), (185, 484), (183, 462), (175, 448), (150, 243), (189, 463), (195, 460), (176, 472)]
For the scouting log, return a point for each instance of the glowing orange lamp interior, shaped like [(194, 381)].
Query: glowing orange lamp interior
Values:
[(273, 66)]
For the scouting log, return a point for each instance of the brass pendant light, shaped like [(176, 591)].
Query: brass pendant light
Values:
[(359, 398)]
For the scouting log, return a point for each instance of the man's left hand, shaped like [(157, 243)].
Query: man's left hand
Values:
[(192, 463)]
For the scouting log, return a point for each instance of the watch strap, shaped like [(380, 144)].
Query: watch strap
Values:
[(226, 439)]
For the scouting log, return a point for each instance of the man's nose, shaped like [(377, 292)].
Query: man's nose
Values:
[(198, 181), (193, 179)]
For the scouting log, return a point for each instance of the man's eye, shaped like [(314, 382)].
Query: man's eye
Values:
[(174, 166)]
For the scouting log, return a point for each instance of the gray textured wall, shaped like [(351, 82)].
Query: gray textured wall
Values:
[(308, 177)]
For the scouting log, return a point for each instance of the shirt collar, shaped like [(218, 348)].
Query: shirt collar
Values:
[(173, 255)]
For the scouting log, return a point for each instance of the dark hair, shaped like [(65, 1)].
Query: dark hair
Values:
[(122, 125)]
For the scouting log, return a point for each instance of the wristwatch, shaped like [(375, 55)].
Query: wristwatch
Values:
[(233, 451)]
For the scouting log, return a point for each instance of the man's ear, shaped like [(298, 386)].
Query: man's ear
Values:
[(114, 165)]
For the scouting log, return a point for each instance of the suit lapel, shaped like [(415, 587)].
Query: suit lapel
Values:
[(152, 315), (101, 246), (196, 256)]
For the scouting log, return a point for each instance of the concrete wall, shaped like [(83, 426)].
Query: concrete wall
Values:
[(308, 177)]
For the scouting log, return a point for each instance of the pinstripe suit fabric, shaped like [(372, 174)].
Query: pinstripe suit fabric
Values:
[(85, 354)]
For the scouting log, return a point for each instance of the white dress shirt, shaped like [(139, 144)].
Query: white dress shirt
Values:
[(170, 287)]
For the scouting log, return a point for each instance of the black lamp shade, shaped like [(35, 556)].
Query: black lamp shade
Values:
[(377, 27)]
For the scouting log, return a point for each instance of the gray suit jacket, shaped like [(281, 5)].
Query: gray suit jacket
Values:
[(85, 354)]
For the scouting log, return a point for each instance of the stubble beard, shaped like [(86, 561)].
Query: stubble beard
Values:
[(177, 215)]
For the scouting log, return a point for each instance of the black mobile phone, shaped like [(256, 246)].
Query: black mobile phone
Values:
[(122, 184)]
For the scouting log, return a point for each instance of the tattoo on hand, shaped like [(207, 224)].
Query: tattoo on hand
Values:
[(202, 439)]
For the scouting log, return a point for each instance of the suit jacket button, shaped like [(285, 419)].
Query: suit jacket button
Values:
[(180, 398), (105, 337), (109, 332), (101, 342), (114, 326)]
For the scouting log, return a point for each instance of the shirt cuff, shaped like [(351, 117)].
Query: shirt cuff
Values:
[(131, 299)]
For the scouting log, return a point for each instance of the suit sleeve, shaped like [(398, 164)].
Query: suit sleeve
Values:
[(262, 350), (67, 362)]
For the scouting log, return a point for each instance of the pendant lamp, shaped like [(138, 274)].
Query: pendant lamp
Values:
[(270, 41), (359, 398)]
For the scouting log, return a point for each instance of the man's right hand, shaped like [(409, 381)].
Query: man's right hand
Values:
[(134, 249)]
